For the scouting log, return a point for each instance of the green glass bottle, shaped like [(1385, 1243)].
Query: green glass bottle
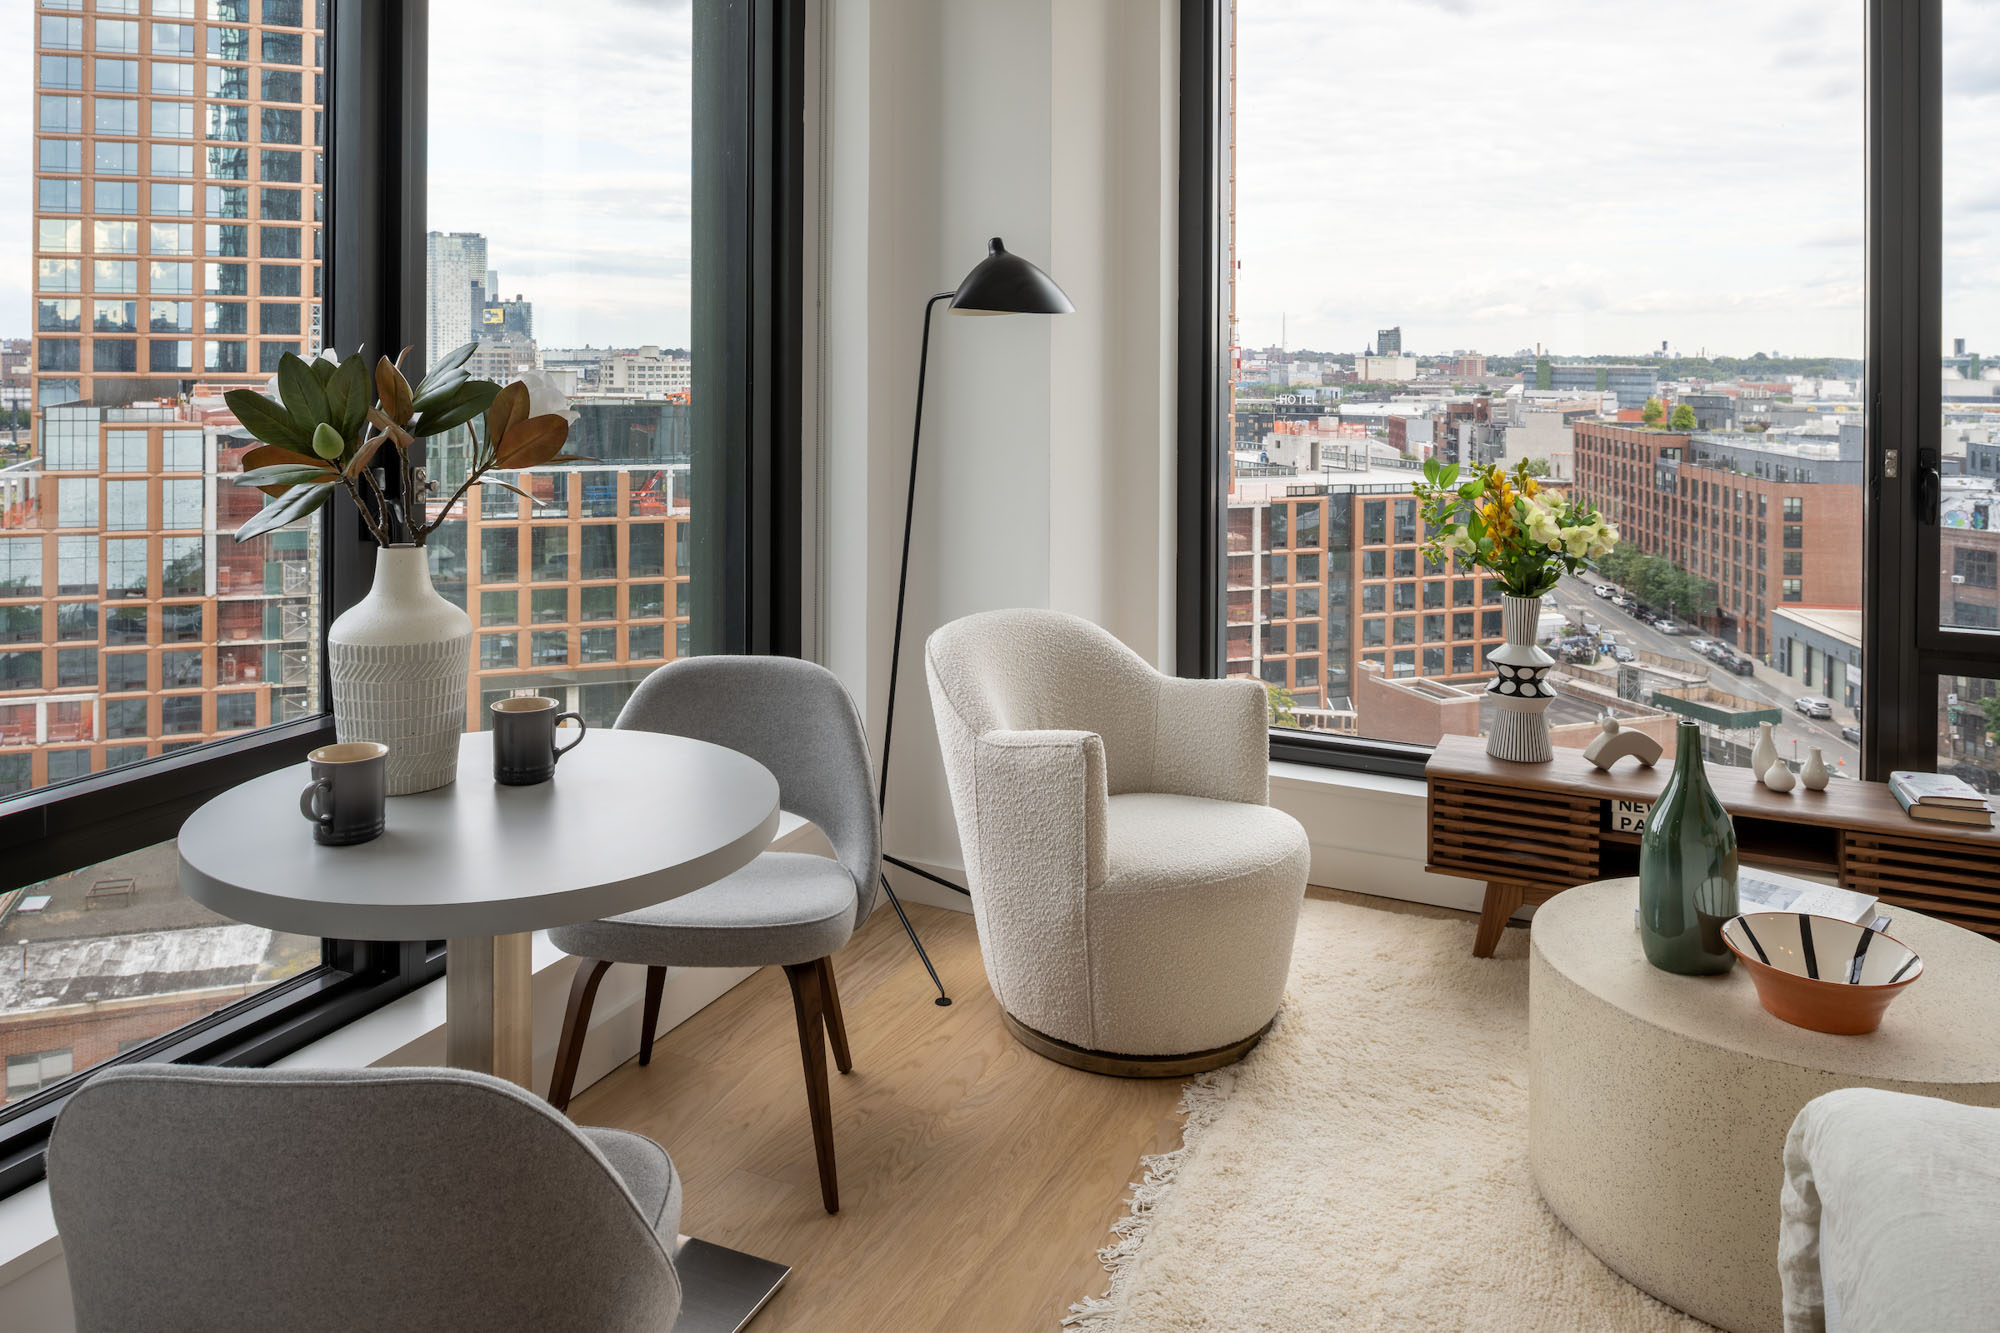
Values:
[(1687, 869)]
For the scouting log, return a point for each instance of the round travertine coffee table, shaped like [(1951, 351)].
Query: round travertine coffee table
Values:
[(1658, 1104)]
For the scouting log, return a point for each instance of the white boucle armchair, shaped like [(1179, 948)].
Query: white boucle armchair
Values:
[(1134, 891)]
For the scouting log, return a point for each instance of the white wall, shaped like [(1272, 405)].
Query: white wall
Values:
[(1047, 475)]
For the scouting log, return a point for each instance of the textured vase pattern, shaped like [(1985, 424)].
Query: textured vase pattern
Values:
[(411, 698), (1520, 688), (399, 659)]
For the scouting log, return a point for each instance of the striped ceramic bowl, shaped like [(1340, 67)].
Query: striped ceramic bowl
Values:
[(1820, 972)]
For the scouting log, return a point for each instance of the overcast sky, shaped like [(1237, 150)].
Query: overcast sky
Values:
[(1594, 177), (566, 141), (1486, 173)]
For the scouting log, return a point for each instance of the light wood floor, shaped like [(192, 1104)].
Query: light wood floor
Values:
[(977, 1180)]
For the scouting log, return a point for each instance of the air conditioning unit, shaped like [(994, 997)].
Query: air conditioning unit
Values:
[(1958, 578)]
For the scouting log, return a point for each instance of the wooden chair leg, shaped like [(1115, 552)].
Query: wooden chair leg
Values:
[(656, 982), (1502, 901), (809, 1003), (836, 1023), (576, 1024)]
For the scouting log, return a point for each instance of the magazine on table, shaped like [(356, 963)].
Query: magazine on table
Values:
[(1760, 890)]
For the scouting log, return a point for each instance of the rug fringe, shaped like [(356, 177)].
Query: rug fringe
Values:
[(1202, 1102)]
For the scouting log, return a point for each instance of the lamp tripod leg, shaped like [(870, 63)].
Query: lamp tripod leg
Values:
[(942, 999)]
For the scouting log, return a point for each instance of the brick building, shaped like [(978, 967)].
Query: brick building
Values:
[(1325, 577), (1969, 564), (1771, 519)]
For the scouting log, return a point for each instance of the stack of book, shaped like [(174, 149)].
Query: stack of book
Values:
[(1941, 797)]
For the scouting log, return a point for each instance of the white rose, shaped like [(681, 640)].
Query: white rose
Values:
[(544, 398)]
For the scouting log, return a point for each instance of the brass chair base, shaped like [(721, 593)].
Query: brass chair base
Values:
[(1130, 1066)]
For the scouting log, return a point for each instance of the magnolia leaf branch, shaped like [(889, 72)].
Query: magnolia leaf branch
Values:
[(325, 424)]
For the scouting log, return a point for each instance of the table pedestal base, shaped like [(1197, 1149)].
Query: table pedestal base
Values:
[(488, 988), (721, 1289)]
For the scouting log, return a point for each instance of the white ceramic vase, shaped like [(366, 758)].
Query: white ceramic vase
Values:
[(1520, 689), (1765, 752), (1815, 775), (399, 659)]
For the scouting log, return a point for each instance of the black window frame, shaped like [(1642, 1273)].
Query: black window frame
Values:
[(1907, 650), (748, 234)]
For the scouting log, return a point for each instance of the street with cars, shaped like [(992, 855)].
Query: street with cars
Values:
[(1808, 719)]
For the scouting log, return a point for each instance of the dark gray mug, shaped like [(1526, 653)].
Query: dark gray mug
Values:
[(350, 785), (524, 739)]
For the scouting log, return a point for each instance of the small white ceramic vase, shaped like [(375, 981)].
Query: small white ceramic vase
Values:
[(399, 659), (1779, 777), (1815, 775), (1520, 689), (1765, 753)]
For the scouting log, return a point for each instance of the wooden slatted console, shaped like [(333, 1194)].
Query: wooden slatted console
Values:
[(1532, 830)]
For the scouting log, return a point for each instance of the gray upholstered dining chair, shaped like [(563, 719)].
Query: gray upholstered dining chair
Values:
[(784, 909), (190, 1199)]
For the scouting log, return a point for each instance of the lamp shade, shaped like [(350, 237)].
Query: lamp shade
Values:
[(1006, 284)]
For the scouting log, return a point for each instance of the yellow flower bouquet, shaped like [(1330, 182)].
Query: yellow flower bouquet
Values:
[(1524, 533)]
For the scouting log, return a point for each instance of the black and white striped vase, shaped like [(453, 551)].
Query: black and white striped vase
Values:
[(1520, 687)]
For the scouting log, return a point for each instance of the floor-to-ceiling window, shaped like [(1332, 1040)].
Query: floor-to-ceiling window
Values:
[(205, 185), (1430, 249)]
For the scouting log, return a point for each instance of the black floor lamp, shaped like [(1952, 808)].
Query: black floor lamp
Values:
[(1001, 284)]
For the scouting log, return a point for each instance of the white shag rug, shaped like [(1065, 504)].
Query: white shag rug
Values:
[(1366, 1166)]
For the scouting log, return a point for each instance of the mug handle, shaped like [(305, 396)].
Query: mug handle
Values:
[(581, 727), (309, 802)]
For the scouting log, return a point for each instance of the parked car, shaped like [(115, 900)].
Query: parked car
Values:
[(1592, 628), (1813, 706), (1982, 780), (1666, 627), (1701, 645), (1852, 735), (1646, 617), (1624, 654), (1739, 664), (1604, 590)]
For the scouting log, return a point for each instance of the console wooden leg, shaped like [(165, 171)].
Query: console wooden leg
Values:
[(1502, 901)]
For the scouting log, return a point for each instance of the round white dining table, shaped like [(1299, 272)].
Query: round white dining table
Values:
[(630, 819)]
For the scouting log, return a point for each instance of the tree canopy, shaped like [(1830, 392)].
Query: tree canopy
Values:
[(1658, 582)]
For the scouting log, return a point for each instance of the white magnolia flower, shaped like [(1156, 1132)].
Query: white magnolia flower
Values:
[(271, 385), (544, 397)]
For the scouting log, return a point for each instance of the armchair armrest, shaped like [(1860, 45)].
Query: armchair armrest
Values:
[(1212, 738), (1043, 807)]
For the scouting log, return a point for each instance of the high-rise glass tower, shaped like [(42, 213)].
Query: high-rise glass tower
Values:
[(455, 279)]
